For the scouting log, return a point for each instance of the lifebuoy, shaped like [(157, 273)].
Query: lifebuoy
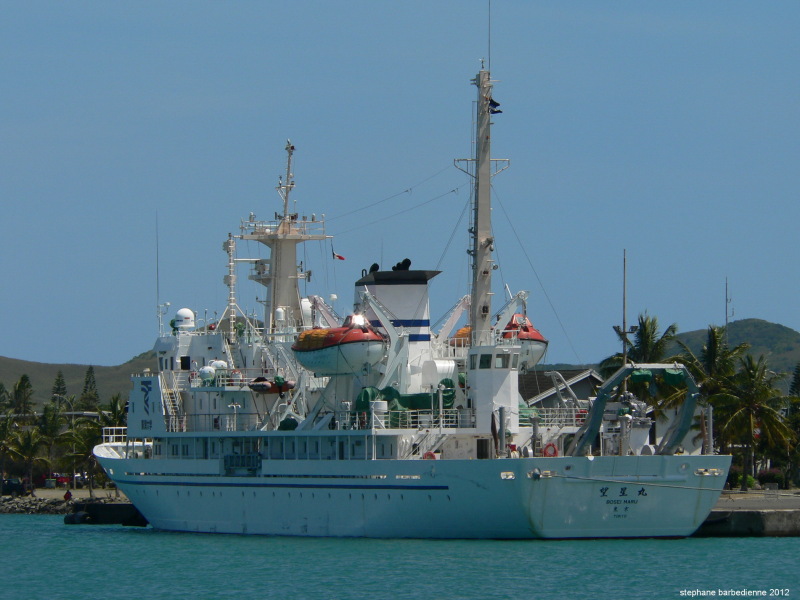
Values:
[(550, 450), (429, 456)]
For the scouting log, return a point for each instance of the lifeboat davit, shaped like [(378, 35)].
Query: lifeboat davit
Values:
[(532, 342), (340, 350), (462, 337)]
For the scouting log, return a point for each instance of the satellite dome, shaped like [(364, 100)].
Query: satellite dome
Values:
[(184, 319)]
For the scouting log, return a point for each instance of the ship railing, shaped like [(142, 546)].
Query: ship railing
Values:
[(241, 421), (452, 349), (299, 226), (451, 418), (115, 435), (227, 377), (555, 417)]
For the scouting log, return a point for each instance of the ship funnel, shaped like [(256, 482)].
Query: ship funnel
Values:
[(404, 293)]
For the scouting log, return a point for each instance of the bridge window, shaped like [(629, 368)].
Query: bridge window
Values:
[(501, 361), (486, 361)]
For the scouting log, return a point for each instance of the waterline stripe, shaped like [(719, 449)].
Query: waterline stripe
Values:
[(345, 486)]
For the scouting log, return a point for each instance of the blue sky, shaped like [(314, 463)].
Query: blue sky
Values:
[(670, 129)]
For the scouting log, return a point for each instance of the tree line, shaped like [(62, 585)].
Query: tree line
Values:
[(58, 438), (754, 420)]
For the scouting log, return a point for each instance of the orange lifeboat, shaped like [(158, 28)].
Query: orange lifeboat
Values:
[(339, 350), (461, 337), (532, 342)]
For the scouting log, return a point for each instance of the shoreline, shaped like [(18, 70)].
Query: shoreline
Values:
[(51, 501)]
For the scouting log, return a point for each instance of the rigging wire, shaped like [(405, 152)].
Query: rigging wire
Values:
[(453, 234), (410, 208), (536, 274), (441, 258), (405, 191)]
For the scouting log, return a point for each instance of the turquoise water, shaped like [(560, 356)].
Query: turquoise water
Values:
[(47, 559)]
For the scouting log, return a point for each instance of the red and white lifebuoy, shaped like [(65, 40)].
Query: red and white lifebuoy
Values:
[(429, 456), (550, 450)]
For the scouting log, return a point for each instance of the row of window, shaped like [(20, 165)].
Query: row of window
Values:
[(496, 361)]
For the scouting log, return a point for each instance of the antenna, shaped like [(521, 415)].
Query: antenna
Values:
[(161, 309), (727, 311), (489, 51), (158, 276), (623, 331)]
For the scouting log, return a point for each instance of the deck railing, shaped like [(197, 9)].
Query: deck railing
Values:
[(555, 417), (114, 435), (343, 420), (406, 419), (241, 421)]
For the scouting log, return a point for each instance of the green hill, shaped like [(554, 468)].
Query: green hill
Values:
[(779, 344), (110, 380)]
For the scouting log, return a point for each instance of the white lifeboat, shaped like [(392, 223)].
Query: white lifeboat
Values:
[(533, 344), (340, 350)]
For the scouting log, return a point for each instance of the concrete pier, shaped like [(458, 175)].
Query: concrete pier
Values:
[(757, 513)]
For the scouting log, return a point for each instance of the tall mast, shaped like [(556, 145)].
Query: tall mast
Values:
[(281, 273), (482, 240), (285, 188)]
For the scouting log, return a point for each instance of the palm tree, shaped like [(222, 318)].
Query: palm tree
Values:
[(21, 397), (50, 427), (115, 413), (750, 408), (24, 446), (793, 451), (7, 428), (794, 387), (83, 437), (649, 345), (4, 398), (712, 369)]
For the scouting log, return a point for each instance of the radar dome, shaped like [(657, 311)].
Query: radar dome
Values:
[(184, 319), (207, 373)]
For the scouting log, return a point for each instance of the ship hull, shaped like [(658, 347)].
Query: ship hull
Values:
[(525, 498)]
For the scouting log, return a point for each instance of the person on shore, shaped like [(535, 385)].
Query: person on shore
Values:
[(67, 496)]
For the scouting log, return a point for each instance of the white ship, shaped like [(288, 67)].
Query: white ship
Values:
[(380, 427)]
